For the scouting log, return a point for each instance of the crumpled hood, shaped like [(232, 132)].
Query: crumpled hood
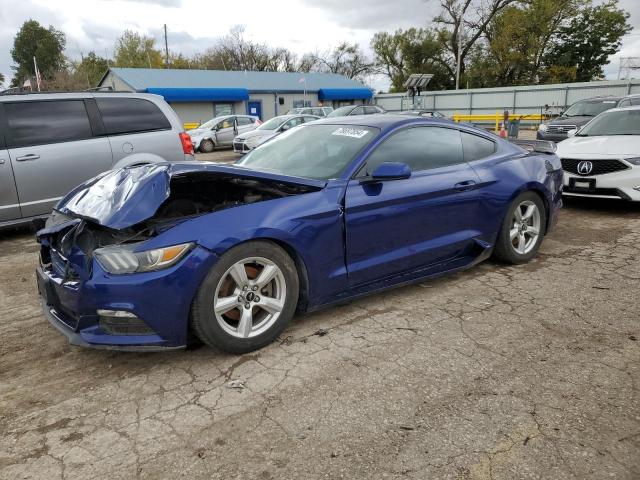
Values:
[(124, 197)]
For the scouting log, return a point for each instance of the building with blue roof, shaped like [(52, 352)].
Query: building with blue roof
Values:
[(199, 95)]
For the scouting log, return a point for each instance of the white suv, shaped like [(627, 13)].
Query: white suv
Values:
[(603, 158)]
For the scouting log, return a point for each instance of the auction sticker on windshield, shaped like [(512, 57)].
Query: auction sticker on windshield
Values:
[(350, 132)]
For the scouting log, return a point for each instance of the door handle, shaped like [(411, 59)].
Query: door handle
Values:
[(466, 185), (25, 158)]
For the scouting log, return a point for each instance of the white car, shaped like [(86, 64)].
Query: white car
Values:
[(220, 131), (602, 159), (246, 142)]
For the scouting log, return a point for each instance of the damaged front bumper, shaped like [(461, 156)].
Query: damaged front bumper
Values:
[(159, 300)]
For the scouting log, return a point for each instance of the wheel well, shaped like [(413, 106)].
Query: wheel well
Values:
[(547, 209), (301, 269)]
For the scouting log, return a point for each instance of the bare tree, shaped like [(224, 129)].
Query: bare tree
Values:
[(463, 22), (346, 59)]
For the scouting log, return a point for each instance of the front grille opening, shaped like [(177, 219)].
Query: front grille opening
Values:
[(600, 166)]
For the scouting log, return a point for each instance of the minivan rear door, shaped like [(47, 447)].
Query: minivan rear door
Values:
[(137, 125), (52, 149), (9, 207)]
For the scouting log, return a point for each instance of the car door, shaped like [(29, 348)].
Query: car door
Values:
[(245, 124), (226, 131), (137, 125), (52, 149), (9, 205), (403, 225)]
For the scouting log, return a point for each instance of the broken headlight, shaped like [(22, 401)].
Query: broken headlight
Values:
[(118, 259)]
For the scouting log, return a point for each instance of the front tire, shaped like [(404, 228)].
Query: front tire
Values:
[(247, 299), (207, 146), (522, 230)]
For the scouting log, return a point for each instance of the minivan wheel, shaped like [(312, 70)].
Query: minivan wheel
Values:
[(207, 146), (522, 229), (247, 299)]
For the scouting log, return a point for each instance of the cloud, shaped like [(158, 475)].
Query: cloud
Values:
[(377, 14), (162, 3)]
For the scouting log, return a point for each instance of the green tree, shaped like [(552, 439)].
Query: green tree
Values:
[(588, 40), (90, 70), (518, 41), (135, 50), (1, 79), (45, 44), (402, 53)]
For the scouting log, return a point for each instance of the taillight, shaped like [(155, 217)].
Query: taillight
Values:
[(258, 122), (187, 144)]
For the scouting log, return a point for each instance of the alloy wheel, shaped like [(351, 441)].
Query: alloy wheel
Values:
[(525, 227), (250, 297)]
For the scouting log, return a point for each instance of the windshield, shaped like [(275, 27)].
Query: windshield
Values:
[(211, 123), (589, 108), (310, 151), (341, 112), (273, 124), (621, 122)]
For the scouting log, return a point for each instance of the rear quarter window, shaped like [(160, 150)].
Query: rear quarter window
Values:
[(131, 115), (476, 147), (46, 122)]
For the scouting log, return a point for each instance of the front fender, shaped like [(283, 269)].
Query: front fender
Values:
[(309, 224)]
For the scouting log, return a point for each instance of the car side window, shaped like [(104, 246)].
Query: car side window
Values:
[(245, 120), (370, 110), (357, 111), (625, 103), (292, 123), (635, 101), (46, 122), (422, 148), (476, 147), (309, 119), (227, 123), (131, 115), (317, 111)]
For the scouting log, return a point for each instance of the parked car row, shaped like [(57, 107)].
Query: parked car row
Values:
[(580, 113), (328, 209)]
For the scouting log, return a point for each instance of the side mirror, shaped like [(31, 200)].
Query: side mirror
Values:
[(389, 171), (572, 133)]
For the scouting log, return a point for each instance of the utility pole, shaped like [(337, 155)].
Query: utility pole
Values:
[(458, 61), (166, 47)]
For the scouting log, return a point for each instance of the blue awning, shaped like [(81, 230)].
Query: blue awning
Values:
[(344, 94), (201, 94)]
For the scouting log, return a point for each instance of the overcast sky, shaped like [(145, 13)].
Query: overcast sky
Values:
[(300, 25)]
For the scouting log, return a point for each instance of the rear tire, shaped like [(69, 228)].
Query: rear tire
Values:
[(522, 230), (247, 299), (207, 146)]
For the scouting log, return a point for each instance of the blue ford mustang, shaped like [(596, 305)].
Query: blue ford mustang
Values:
[(141, 258)]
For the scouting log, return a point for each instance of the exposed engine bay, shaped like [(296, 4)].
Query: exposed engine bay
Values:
[(191, 195)]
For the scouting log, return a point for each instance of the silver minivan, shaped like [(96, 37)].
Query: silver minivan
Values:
[(52, 142)]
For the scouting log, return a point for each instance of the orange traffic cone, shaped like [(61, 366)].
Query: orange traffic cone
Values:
[(503, 132)]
